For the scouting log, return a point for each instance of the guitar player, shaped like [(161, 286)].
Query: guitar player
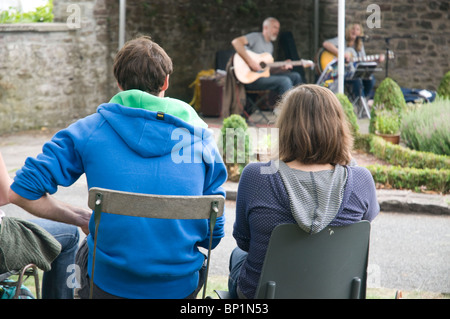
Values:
[(354, 35), (280, 79)]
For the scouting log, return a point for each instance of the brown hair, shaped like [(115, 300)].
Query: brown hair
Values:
[(142, 64), (313, 127)]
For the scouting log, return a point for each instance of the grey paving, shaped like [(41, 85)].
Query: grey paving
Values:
[(410, 240)]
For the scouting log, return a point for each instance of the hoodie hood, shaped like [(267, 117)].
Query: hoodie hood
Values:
[(143, 100), (153, 126), (315, 197)]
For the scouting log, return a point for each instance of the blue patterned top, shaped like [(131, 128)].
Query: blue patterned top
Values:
[(263, 202)]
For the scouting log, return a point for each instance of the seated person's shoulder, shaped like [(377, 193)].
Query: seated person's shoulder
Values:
[(360, 174), (254, 169)]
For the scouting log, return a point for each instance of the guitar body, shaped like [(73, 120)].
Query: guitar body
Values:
[(244, 73), (323, 58)]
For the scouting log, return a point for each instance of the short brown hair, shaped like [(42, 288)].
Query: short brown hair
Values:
[(313, 127), (142, 64)]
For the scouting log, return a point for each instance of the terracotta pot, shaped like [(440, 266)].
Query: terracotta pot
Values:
[(393, 138)]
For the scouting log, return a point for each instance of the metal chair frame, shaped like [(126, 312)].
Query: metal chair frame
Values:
[(24, 273), (329, 264), (156, 206)]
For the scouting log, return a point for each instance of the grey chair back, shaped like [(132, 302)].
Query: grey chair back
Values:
[(329, 264), (154, 206)]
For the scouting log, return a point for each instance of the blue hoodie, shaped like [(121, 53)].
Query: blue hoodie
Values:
[(130, 148)]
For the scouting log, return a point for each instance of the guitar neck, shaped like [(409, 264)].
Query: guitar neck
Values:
[(375, 57), (283, 63), (367, 58)]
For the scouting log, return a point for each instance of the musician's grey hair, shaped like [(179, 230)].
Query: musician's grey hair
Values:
[(268, 21)]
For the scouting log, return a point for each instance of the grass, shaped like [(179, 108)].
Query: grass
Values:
[(29, 282), (221, 283)]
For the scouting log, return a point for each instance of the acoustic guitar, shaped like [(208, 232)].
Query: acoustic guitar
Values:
[(246, 75), (325, 57)]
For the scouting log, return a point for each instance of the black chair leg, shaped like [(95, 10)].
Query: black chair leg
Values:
[(254, 104)]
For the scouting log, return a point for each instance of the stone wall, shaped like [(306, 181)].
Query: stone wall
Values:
[(53, 73), (420, 61), (193, 31)]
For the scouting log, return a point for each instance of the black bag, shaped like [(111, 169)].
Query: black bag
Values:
[(418, 95)]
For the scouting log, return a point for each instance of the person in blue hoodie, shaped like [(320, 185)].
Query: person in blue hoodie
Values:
[(139, 142)]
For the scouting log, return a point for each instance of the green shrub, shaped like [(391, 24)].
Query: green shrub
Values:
[(41, 14), (412, 178), (411, 169), (427, 128), (390, 96), (443, 90), (403, 156), (235, 145), (348, 109), (362, 142)]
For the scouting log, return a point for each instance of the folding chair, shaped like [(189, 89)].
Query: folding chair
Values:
[(255, 99), (23, 274), (329, 264), (328, 77), (154, 206)]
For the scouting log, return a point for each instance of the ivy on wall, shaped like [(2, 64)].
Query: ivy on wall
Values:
[(41, 14)]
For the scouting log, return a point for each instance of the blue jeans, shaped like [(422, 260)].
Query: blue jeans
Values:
[(237, 258), (361, 87), (55, 282), (279, 83)]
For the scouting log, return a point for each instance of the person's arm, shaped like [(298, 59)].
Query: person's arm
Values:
[(59, 164), (239, 45), (245, 193), (282, 69), (5, 181), (49, 208), (370, 195), (330, 47)]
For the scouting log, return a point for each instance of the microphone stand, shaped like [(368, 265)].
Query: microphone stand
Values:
[(387, 49), (387, 56)]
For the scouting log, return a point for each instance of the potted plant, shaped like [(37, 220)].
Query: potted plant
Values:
[(389, 96), (387, 125), (264, 148)]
